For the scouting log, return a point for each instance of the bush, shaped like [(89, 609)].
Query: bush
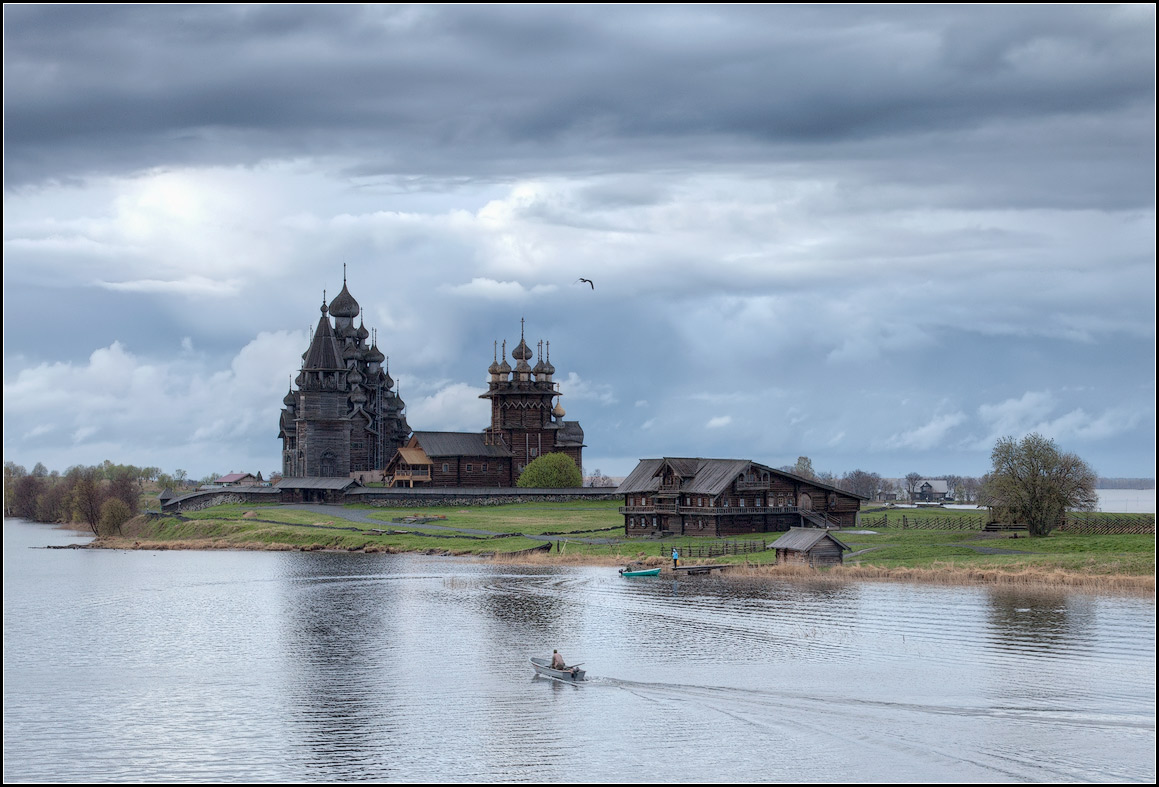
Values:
[(551, 471)]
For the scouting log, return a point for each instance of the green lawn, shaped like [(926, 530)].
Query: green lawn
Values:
[(577, 521)]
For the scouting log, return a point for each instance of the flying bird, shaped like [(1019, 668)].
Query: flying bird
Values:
[(589, 281)]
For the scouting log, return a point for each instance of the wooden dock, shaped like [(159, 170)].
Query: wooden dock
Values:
[(701, 569)]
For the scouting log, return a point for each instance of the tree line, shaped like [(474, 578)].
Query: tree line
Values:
[(964, 489), (103, 496)]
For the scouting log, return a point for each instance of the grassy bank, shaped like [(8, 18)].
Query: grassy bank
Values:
[(591, 532)]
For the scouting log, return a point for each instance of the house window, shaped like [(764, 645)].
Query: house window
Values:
[(757, 502), (742, 502), (700, 502), (725, 502), (469, 468), (446, 467), (535, 452), (484, 467)]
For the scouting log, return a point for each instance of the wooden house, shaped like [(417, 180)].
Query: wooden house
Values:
[(728, 497), (809, 547), (932, 490), (450, 459)]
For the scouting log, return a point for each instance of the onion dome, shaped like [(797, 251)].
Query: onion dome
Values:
[(362, 334), (522, 352), (289, 400), (375, 355), (357, 396), (539, 370), (504, 367), (494, 367), (548, 369), (349, 351), (355, 377), (558, 411), (344, 304)]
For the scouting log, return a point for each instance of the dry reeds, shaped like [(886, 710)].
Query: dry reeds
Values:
[(952, 574)]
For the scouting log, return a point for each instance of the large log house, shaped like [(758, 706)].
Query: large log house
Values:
[(727, 497)]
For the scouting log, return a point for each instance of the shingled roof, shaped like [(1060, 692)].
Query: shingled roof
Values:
[(802, 539), (323, 353), (701, 476), (457, 444)]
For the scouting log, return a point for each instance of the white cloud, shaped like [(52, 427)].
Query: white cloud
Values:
[(929, 435), (580, 390), (454, 408), (172, 412), (490, 289), (718, 421)]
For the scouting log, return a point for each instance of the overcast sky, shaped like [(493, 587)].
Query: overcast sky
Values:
[(880, 237)]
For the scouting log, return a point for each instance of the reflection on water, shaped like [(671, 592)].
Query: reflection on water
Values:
[(254, 666)]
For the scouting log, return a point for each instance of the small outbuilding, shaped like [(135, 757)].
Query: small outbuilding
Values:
[(314, 490), (809, 547)]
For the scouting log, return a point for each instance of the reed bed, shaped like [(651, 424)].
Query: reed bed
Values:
[(949, 573)]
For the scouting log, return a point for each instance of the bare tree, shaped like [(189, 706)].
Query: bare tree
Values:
[(911, 483), (862, 482), (1035, 483), (87, 497)]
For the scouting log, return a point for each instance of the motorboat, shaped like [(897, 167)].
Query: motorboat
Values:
[(570, 675)]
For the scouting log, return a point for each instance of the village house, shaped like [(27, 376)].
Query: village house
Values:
[(932, 490), (726, 497)]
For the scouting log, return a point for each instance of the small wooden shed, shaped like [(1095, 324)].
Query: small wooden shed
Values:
[(810, 547)]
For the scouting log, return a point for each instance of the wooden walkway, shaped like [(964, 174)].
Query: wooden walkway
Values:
[(701, 569)]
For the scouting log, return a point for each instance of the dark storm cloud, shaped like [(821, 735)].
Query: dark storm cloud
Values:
[(483, 91)]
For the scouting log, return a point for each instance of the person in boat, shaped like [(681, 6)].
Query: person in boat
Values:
[(557, 662)]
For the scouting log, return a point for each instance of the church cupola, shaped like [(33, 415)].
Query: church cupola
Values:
[(344, 304), (548, 369), (521, 354)]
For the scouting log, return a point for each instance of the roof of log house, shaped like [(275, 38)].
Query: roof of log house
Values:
[(802, 539), (706, 476)]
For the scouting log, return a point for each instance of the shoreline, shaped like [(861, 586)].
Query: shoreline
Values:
[(941, 574)]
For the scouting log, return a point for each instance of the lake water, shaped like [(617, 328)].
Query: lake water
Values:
[(1127, 501), (253, 666)]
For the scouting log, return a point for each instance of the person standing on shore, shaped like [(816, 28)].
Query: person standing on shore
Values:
[(675, 557)]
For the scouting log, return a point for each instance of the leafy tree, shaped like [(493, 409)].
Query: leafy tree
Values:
[(551, 471), (1033, 482), (114, 513)]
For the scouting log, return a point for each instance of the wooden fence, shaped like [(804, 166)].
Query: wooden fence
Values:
[(927, 522), (723, 548), (1102, 524), (1074, 522)]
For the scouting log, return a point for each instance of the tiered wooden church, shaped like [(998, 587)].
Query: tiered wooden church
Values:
[(346, 419)]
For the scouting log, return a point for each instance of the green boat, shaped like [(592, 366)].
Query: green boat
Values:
[(643, 572)]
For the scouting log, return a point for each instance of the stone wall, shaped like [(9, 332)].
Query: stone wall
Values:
[(424, 498)]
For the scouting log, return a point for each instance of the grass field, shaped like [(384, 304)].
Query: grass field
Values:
[(592, 531)]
